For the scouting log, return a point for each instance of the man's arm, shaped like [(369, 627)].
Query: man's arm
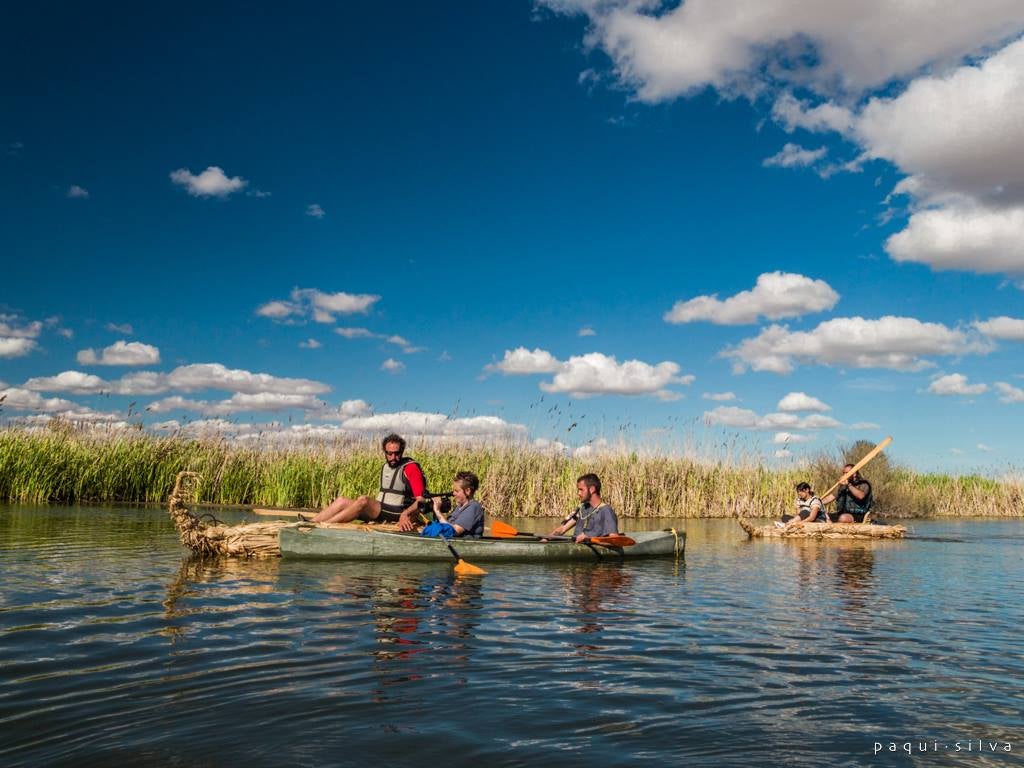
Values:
[(567, 524), (859, 491), (417, 486)]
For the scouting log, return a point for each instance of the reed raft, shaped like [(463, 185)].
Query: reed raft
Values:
[(862, 531), (209, 537)]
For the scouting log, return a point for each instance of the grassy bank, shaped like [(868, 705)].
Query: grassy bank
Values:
[(65, 466)]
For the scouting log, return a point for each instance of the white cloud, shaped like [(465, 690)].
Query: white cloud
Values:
[(861, 425), (20, 399), (783, 453), (310, 344), (955, 384), (897, 343), (72, 382), (662, 51), (1009, 328), (599, 374), (392, 366), (365, 333), (321, 307), (416, 423), (13, 326), (788, 438), (121, 353), (594, 374), (75, 191), (352, 408), (720, 397), (212, 182), (16, 347), (799, 401), (238, 403), (586, 330), (1008, 393), (315, 211), (123, 328), (794, 156), (742, 418), (522, 361), (984, 448), (775, 296), (186, 378)]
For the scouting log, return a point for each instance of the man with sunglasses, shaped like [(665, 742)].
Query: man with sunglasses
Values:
[(402, 487)]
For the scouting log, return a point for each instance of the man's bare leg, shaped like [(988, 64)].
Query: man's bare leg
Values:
[(363, 508), (332, 509)]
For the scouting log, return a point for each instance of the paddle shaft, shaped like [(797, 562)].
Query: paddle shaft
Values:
[(859, 465)]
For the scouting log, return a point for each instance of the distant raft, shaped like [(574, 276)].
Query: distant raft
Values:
[(823, 531)]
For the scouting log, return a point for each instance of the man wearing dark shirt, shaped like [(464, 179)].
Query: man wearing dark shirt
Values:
[(402, 487), (853, 499), (593, 517)]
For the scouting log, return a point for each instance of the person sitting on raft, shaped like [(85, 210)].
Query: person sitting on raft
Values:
[(467, 519), (853, 499), (402, 487), (809, 508), (593, 517)]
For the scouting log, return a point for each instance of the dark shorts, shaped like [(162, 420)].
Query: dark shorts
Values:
[(858, 517), (803, 516), (387, 516)]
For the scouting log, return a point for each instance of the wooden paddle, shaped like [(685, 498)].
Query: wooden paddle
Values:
[(859, 465), (505, 531)]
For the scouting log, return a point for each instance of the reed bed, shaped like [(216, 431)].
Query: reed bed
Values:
[(63, 465)]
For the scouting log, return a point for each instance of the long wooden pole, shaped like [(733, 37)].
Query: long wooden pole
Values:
[(859, 465)]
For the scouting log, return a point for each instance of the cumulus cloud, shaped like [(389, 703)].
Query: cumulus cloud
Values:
[(212, 182), (310, 344), (315, 211), (897, 343), (586, 330), (417, 423), (16, 347), (1009, 393), (665, 51), (522, 361), (122, 328), (721, 397), (185, 378), (794, 156), (45, 408), (984, 448), (799, 401), (593, 374), (955, 384), (1008, 328), (392, 366), (305, 303), (12, 326), (239, 403), (121, 353), (776, 295), (77, 192), (742, 418)]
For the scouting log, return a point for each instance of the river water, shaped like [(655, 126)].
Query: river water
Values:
[(117, 648)]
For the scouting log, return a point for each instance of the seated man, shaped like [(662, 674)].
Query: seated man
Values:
[(592, 517), (402, 487), (808, 505), (467, 518), (853, 499)]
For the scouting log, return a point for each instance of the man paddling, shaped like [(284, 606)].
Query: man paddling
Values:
[(402, 488), (593, 517), (853, 499)]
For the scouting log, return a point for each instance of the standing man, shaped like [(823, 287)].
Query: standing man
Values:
[(593, 517), (853, 499), (402, 487)]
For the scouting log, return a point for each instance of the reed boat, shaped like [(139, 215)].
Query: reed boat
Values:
[(205, 535), (823, 531), (370, 542)]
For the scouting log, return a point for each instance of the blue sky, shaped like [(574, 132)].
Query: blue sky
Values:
[(669, 225)]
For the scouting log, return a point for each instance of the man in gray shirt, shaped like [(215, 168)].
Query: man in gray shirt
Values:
[(593, 517)]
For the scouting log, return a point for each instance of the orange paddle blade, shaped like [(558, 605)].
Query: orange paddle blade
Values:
[(468, 569), (615, 540), (502, 530)]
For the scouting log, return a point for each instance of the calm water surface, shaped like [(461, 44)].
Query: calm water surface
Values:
[(116, 648)]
